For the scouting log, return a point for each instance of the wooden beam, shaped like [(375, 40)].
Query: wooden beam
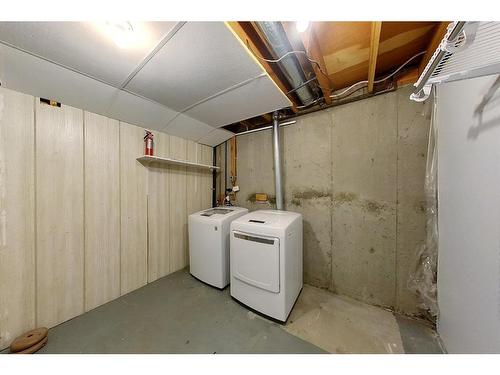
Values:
[(408, 78), (240, 32), (311, 45), (433, 45), (267, 117), (372, 62), (248, 125), (234, 155)]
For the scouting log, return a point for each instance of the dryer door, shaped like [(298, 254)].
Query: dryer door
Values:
[(256, 260)]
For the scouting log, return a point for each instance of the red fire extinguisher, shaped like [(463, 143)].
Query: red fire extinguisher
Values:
[(148, 143)]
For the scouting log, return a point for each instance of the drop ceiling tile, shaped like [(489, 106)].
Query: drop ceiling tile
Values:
[(139, 111), (255, 98), (87, 47), (26, 73), (187, 127), (216, 137), (201, 59)]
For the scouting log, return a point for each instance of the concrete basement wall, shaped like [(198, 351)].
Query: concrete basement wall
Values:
[(356, 174)]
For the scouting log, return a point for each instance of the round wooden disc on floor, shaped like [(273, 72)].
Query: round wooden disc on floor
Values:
[(35, 347), (28, 339)]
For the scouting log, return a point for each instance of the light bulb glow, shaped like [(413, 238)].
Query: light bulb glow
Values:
[(301, 26), (122, 33)]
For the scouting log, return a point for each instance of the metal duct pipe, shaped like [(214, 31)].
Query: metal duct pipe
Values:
[(278, 41), (277, 162)]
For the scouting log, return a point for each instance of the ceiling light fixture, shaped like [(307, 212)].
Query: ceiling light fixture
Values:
[(122, 33), (301, 26)]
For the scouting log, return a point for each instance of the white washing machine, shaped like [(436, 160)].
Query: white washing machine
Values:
[(209, 244), (266, 261)]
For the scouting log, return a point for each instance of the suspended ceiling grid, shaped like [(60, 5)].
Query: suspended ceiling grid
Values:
[(184, 78)]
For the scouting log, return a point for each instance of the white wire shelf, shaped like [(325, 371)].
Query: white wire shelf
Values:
[(147, 159), (474, 52)]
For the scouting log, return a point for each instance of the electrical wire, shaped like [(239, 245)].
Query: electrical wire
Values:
[(302, 85), (309, 104), (318, 99), (364, 83), (288, 54), (333, 96)]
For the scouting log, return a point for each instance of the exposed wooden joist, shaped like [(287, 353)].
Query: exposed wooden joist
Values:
[(248, 125), (434, 43), (413, 75), (409, 77), (311, 45), (234, 155), (267, 117), (374, 44), (246, 40)]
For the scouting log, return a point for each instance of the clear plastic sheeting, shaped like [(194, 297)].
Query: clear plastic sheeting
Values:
[(423, 277)]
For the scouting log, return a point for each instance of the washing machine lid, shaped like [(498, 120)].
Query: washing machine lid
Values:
[(222, 212), (216, 211)]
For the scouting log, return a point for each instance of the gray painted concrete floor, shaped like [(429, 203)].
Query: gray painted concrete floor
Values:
[(179, 314)]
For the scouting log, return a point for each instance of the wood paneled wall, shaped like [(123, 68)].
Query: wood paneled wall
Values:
[(178, 206), (102, 210), (159, 212), (17, 215), (59, 213), (81, 221), (133, 192)]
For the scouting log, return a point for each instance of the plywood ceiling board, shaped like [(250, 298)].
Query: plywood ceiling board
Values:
[(350, 76), (343, 44), (201, 59), (346, 45), (256, 97), (73, 43), (399, 41)]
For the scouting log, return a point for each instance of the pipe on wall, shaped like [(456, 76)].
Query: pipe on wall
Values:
[(277, 162), (286, 123)]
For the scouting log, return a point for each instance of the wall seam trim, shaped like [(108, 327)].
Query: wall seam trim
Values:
[(170, 34), (84, 131), (396, 283), (332, 125), (35, 292), (120, 203)]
